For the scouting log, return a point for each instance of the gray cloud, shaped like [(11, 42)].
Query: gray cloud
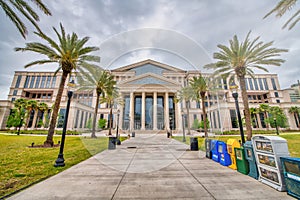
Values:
[(207, 23)]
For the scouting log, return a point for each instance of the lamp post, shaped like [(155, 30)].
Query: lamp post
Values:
[(117, 133), (275, 122), (234, 90), (183, 131), (60, 161)]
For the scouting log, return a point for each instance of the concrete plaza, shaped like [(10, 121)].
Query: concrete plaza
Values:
[(150, 167)]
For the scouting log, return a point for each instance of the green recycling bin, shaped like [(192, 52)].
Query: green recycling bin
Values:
[(241, 161)]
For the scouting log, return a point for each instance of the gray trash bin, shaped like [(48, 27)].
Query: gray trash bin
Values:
[(194, 144), (112, 143), (133, 134)]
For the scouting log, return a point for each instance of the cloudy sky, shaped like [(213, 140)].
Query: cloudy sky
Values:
[(184, 34)]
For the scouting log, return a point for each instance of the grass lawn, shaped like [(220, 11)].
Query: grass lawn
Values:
[(22, 166), (293, 141)]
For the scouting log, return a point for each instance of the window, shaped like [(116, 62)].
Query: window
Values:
[(197, 104), (37, 82), (273, 84), (53, 82), (260, 84), (276, 94), (250, 84), (277, 101), (255, 84), (233, 117), (43, 82), (18, 81), (195, 116), (266, 84), (26, 81), (246, 83), (48, 82), (13, 99), (32, 82), (61, 118), (15, 92)]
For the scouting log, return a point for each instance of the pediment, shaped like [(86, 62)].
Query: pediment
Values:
[(149, 79), (148, 66)]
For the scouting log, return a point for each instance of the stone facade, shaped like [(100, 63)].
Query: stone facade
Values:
[(148, 89)]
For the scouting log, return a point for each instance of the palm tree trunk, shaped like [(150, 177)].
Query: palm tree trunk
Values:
[(204, 115), (49, 140), (95, 117), (110, 119), (246, 108), (188, 116)]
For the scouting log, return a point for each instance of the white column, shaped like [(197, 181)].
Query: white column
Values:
[(154, 117), (166, 113), (131, 111), (121, 108), (143, 110), (178, 117)]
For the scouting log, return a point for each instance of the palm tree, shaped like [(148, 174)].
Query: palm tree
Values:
[(43, 107), (111, 97), (26, 10), (240, 59), (253, 113), (70, 53), (200, 87), (296, 112), (186, 94), (281, 8), (264, 108), (31, 106), (95, 79), (20, 105)]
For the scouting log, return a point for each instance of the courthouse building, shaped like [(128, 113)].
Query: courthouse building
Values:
[(148, 89)]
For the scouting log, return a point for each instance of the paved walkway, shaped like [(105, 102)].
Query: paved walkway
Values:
[(150, 167)]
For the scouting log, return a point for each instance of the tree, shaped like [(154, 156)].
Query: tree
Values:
[(20, 105), (281, 8), (200, 87), (253, 113), (43, 107), (276, 113), (264, 108), (31, 106), (111, 97), (296, 112), (186, 94), (95, 79), (240, 59), (23, 7), (70, 53)]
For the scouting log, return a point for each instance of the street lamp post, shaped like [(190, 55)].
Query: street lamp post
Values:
[(233, 88), (275, 122), (183, 131), (117, 133), (60, 161)]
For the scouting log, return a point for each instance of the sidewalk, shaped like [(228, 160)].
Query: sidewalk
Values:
[(150, 167)]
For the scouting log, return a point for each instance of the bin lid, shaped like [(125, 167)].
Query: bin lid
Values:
[(233, 142), (248, 144), (290, 158), (268, 137)]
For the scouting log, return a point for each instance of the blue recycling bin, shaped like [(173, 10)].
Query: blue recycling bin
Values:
[(291, 173), (249, 154), (214, 150), (225, 159)]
